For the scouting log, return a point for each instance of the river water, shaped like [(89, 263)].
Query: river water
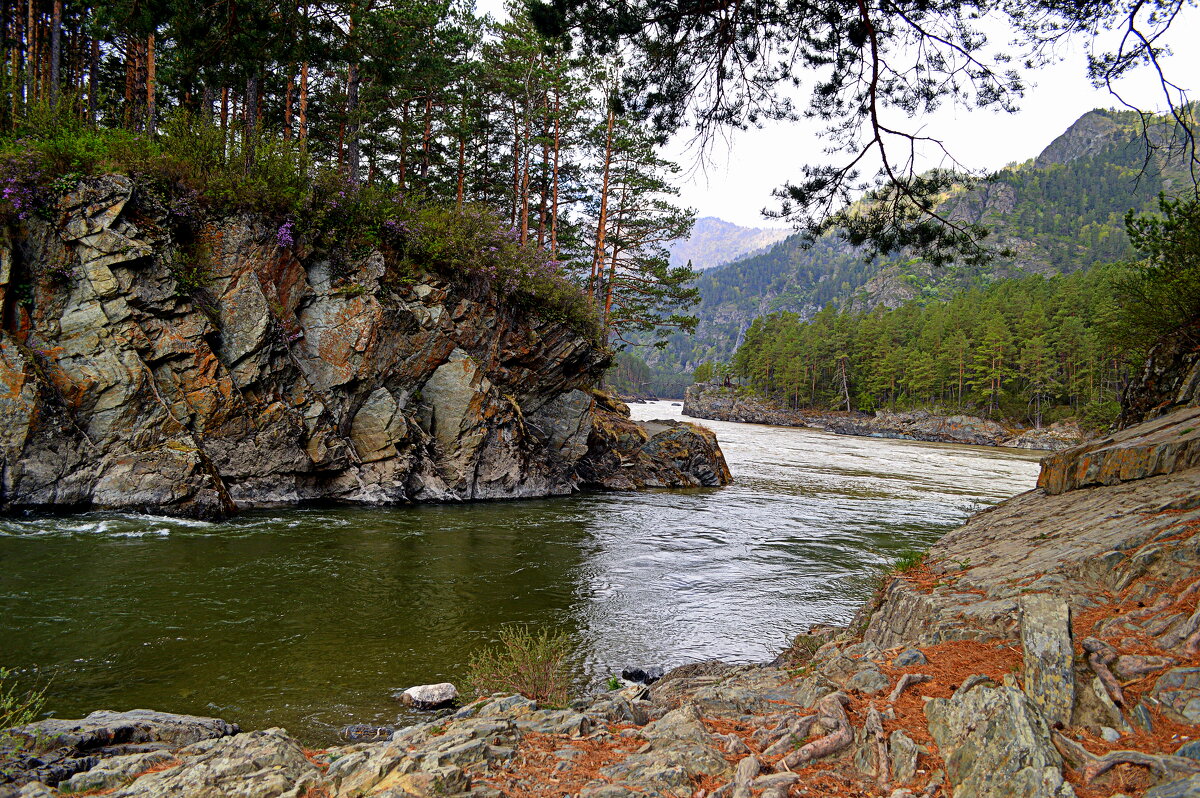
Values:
[(307, 618)]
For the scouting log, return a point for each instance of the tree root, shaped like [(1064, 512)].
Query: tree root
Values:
[(906, 681), (798, 729), (746, 770), (874, 728), (1100, 656), (840, 734), (1092, 766)]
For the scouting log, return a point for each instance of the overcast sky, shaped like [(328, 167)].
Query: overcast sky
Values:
[(736, 183)]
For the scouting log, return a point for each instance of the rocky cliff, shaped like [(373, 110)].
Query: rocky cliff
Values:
[(136, 378), (725, 404)]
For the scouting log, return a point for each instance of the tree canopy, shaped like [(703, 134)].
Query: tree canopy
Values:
[(869, 69)]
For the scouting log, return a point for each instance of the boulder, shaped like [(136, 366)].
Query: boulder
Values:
[(258, 764), (903, 753), (107, 729), (996, 744), (429, 696), (1178, 695), (908, 658), (1131, 666), (1049, 656), (1166, 445), (1181, 788), (680, 751), (1191, 750)]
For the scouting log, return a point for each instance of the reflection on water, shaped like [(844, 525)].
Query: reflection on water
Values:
[(306, 618)]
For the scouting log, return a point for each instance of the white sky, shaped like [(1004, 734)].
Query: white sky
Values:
[(736, 182)]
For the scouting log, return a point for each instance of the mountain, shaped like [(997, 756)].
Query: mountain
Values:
[(714, 242), (1056, 213)]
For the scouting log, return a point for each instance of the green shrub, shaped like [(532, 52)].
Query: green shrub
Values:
[(18, 706), (534, 664)]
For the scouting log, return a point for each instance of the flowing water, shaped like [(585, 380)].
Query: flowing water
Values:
[(307, 618)]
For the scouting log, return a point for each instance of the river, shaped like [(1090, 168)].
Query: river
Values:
[(307, 618)]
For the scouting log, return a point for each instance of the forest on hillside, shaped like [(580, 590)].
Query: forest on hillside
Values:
[(410, 125), (1031, 349)]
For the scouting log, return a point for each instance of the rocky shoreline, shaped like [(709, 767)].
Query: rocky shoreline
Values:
[(1049, 648), (711, 401)]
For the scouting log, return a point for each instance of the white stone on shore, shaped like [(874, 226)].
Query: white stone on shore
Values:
[(429, 696)]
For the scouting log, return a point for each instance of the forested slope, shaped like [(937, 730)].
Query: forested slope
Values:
[(1057, 213)]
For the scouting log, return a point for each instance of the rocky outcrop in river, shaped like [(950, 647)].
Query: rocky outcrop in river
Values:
[(1049, 648), (129, 382), (709, 401)]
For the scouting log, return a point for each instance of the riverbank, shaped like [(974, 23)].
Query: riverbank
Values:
[(710, 401), (1048, 648)]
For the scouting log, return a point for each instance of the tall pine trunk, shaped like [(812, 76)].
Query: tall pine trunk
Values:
[(554, 180), (249, 121), (287, 104), (151, 105), (598, 255), (55, 52), (462, 151), (425, 139), (224, 123), (304, 105), (352, 123)]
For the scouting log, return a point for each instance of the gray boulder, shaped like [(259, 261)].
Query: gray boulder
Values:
[(996, 744), (105, 728), (1178, 694), (259, 764), (1049, 655)]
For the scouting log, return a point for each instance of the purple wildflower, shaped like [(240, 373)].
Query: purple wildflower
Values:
[(284, 236)]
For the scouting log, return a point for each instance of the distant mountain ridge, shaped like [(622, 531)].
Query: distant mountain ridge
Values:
[(1058, 212), (715, 242)]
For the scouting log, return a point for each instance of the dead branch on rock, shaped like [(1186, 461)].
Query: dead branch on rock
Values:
[(839, 734), (906, 681), (1092, 766), (874, 728), (747, 769), (1100, 656)]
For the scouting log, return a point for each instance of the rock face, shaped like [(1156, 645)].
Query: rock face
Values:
[(723, 404), (55, 750), (1170, 378), (1165, 445), (130, 383), (624, 455)]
